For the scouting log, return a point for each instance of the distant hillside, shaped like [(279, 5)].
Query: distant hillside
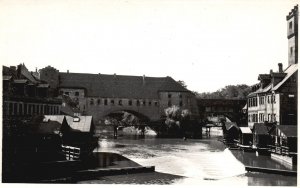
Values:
[(228, 92)]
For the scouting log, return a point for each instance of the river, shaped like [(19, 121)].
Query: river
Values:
[(196, 161)]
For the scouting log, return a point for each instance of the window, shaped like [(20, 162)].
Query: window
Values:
[(112, 102), (290, 25), (180, 103), (269, 117), (99, 101), (169, 95), (21, 109), (77, 93), (105, 102), (155, 103), (138, 103), (144, 103), (274, 99), (291, 51), (268, 99), (25, 109), (130, 102), (120, 103), (274, 118), (149, 103), (91, 101)]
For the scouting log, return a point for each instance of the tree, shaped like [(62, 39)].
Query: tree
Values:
[(176, 120), (182, 83), (228, 92)]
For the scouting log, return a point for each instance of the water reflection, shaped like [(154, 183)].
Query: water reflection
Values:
[(251, 159), (111, 160)]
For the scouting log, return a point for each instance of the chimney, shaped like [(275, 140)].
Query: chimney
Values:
[(144, 80), (271, 71), (115, 75), (67, 71), (36, 69), (280, 70), (14, 68)]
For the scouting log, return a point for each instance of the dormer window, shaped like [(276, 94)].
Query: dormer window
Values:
[(76, 119)]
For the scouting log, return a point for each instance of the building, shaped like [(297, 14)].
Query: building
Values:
[(24, 95), (216, 109), (284, 143), (261, 135), (100, 95), (292, 35), (246, 136), (274, 98), (76, 133)]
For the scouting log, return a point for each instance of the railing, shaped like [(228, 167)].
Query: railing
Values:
[(71, 153), (282, 150)]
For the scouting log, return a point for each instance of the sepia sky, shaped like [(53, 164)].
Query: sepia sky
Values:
[(208, 44)]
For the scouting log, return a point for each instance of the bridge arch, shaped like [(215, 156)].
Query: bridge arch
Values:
[(140, 115)]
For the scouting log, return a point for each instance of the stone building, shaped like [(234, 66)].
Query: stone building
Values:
[(274, 98), (100, 95)]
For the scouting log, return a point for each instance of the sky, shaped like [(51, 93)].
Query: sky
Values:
[(208, 44)]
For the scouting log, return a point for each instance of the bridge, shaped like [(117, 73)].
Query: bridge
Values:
[(229, 108)]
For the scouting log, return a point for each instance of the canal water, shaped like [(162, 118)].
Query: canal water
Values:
[(193, 161)]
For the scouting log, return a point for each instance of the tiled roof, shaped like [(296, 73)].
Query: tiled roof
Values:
[(58, 118), (288, 130), (27, 74), (118, 86), (290, 71), (80, 123)]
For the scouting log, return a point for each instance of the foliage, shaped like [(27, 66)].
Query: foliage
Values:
[(182, 83), (175, 115), (228, 92)]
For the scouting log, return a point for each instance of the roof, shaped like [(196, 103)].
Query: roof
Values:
[(21, 81), (4, 77), (50, 127), (119, 86), (58, 118), (246, 130), (43, 85), (81, 123), (290, 71), (24, 71), (264, 76), (288, 130), (230, 125)]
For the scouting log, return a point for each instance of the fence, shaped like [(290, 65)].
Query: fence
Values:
[(71, 153)]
